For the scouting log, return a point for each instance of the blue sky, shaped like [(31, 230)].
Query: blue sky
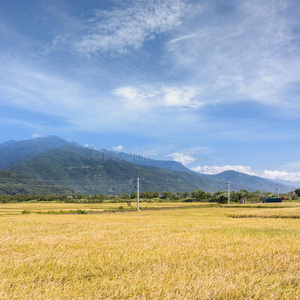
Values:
[(213, 84)]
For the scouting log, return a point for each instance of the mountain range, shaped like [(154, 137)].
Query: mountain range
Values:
[(84, 170)]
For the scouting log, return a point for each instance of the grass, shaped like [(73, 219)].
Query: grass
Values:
[(17, 208), (55, 212), (199, 253), (285, 212)]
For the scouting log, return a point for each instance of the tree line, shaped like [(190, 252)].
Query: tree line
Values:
[(151, 196)]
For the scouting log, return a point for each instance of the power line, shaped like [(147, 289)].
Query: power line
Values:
[(137, 193), (277, 189), (228, 191)]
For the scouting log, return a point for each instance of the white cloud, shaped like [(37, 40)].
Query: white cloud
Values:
[(36, 135), (282, 175), (118, 148), (174, 96), (88, 145), (128, 27), (135, 98), (290, 176), (219, 169), (168, 96), (130, 93), (182, 157)]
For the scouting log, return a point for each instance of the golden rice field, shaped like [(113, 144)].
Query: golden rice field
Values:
[(193, 253)]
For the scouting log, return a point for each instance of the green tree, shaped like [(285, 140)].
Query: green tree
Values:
[(167, 195), (297, 192), (102, 196), (149, 195), (199, 195), (179, 195), (236, 196), (156, 194), (220, 197), (124, 196), (194, 195), (186, 195)]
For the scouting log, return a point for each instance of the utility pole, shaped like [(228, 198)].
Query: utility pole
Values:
[(277, 189), (228, 191), (138, 193)]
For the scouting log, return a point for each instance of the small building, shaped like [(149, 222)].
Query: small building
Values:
[(272, 200)]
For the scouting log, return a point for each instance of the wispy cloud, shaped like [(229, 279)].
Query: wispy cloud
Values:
[(27, 87), (209, 170), (129, 26), (30, 88), (292, 165), (249, 53)]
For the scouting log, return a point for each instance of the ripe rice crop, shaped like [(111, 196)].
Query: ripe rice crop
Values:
[(198, 253)]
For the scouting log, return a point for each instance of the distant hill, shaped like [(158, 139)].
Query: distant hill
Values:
[(86, 171), (7, 143), (12, 152), (15, 184), (140, 160), (250, 183), (292, 184)]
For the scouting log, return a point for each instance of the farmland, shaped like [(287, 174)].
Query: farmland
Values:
[(207, 252)]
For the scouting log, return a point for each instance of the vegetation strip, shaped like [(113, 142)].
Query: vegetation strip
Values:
[(79, 211), (255, 206), (265, 217)]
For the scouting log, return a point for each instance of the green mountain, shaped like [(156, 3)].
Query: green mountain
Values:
[(144, 161), (7, 143), (87, 171), (15, 184), (249, 182), (90, 171), (12, 152)]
